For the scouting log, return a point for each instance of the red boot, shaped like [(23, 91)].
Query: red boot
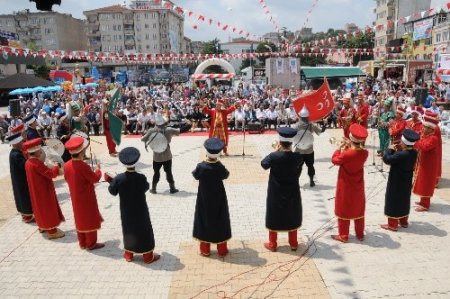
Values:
[(424, 204), (272, 244), (404, 222), (222, 249), (392, 225), (205, 249), (293, 240), (151, 257), (128, 256)]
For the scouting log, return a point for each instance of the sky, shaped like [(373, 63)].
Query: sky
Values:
[(243, 14)]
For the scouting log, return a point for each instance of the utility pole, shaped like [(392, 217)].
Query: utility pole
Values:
[(251, 60)]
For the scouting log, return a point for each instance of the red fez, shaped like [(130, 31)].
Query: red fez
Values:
[(220, 101), (429, 121), (430, 113), (418, 110), (401, 110), (32, 145), (76, 145), (358, 133), (18, 129)]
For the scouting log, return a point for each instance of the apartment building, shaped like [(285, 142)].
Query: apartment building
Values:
[(145, 26), (46, 30), (387, 13)]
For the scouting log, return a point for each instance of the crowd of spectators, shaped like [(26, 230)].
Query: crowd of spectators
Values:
[(267, 107)]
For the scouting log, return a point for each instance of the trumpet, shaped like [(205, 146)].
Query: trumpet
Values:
[(342, 144)]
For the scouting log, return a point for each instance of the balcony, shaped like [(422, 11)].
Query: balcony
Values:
[(128, 21), (128, 32), (390, 3), (93, 23), (93, 33), (130, 42)]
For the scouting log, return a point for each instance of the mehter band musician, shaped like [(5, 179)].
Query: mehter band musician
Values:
[(414, 123), (304, 142), (219, 122), (31, 132), (284, 202), (386, 115), (212, 218), (438, 134), (426, 170), (159, 139), (137, 228), (19, 178), (347, 115), (81, 179), (397, 125), (350, 201), (46, 209), (402, 159)]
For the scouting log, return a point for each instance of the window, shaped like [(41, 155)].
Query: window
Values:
[(445, 36), (154, 36), (154, 25), (119, 27), (146, 26), (147, 47), (147, 36), (438, 37)]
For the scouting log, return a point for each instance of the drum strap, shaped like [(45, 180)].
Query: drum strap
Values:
[(303, 135), (157, 132)]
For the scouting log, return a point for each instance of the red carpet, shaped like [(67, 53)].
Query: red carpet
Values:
[(205, 134)]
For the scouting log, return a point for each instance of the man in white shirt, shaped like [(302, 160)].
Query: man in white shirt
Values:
[(271, 117), (239, 117), (261, 116), (44, 124), (291, 115)]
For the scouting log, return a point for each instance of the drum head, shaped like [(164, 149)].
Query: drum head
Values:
[(51, 156), (56, 145), (306, 142), (158, 142)]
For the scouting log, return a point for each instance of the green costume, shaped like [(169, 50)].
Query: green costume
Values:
[(383, 126)]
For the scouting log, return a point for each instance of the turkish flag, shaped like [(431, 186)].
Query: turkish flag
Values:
[(319, 102)]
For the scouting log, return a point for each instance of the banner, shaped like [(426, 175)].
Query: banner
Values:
[(320, 102), (423, 29), (293, 65), (280, 65), (115, 123)]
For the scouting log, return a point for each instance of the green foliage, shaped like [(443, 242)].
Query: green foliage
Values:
[(245, 63), (312, 61), (211, 47), (42, 71), (264, 48)]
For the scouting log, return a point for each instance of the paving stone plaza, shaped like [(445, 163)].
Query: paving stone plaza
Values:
[(412, 262)]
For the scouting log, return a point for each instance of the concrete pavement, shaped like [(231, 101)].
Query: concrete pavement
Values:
[(409, 263)]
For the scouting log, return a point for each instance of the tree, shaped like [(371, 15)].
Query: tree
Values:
[(264, 48), (360, 41), (212, 47), (245, 63), (312, 60)]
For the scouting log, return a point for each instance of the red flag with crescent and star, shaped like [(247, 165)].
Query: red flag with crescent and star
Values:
[(320, 102)]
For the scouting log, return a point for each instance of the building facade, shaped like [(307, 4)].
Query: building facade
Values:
[(145, 26), (239, 46), (388, 12), (46, 30)]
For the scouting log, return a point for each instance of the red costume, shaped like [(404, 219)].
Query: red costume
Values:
[(350, 196), (415, 125), (81, 180), (347, 118), (362, 113), (109, 140), (426, 170), (46, 209), (219, 123), (438, 134), (397, 125)]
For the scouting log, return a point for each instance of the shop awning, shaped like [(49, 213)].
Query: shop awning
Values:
[(330, 72)]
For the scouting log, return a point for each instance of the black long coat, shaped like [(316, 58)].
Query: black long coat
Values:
[(62, 130), (398, 192), (284, 202), (19, 182), (136, 225), (212, 218)]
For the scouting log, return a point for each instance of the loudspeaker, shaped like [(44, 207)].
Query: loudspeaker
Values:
[(421, 95), (14, 108)]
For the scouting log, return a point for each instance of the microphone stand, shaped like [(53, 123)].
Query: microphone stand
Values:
[(377, 168)]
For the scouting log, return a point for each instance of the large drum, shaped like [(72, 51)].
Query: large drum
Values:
[(56, 145), (54, 149), (157, 142)]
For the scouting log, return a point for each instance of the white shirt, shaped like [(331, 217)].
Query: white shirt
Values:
[(271, 114), (239, 115), (260, 113)]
